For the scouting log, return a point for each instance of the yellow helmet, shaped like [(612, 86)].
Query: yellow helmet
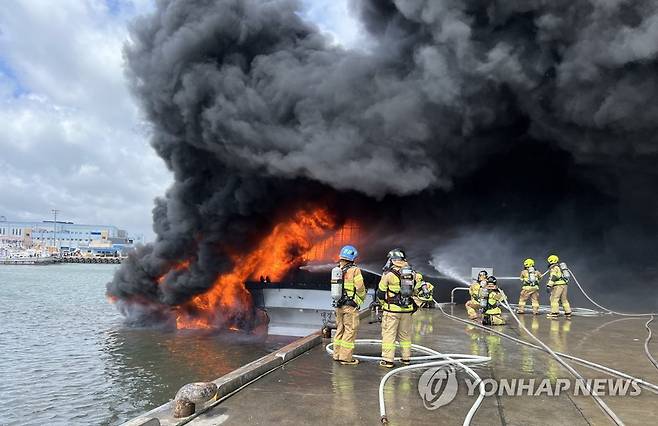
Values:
[(419, 277), (553, 259), (528, 263)]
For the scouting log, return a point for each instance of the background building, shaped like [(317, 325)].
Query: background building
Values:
[(66, 237)]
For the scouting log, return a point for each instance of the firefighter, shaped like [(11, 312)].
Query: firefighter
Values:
[(352, 295), (473, 305), (395, 292), (557, 286), (424, 292), (490, 300), (530, 278), (376, 306)]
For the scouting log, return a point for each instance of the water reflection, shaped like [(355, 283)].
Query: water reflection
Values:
[(476, 340), (558, 331), (423, 325), (527, 353), (146, 367), (345, 394)]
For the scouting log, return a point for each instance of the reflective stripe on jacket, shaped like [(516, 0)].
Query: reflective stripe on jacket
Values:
[(353, 286), (556, 276), (474, 291), (492, 307), (525, 279), (430, 289)]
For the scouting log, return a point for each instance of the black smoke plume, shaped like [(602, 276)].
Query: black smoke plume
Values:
[(471, 132)]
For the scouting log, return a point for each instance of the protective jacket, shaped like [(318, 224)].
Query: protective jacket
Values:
[(474, 291), (556, 277), (525, 280), (427, 295), (492, 306), (354, 291), (389, 293)]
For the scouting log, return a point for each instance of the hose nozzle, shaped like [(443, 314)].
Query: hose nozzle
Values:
[(384, 420)]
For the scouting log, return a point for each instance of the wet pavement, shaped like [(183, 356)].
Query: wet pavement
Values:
[(312, 389)]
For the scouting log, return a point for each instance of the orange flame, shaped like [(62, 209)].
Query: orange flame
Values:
[(306, 236)]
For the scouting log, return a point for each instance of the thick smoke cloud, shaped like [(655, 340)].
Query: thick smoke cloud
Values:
[(531, 121)]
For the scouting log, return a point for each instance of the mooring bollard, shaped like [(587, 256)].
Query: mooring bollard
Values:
[(192, 394), (183, 408)]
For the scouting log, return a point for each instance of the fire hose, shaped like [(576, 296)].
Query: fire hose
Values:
[(652, 360), (459, 360), (603, 307), (590, 364), (607, 310), (555, 355), (562, 362), (646, 344)]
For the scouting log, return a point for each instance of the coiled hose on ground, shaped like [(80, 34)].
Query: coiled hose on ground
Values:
[(460, 360)]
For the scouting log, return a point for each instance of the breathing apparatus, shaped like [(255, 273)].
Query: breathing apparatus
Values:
[(482, 276), (492, 286), (532, 275), (484, 297), (336, 285), (566, 274), (375, 312), (424, 291), (484, 293), (407, 281)]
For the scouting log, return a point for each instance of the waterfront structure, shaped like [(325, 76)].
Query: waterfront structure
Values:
[(65, 237)]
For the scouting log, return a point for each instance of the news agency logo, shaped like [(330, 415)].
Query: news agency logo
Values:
[(438, 387)]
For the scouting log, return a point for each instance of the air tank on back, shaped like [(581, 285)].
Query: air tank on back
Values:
[(336, 284), (532, 275)]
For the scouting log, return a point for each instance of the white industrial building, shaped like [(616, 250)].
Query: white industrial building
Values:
[(64, 236)]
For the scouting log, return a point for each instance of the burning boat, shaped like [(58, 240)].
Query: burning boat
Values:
[(284, 275)]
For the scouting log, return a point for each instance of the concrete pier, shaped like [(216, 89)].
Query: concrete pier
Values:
[(313, 389), (57, 260)]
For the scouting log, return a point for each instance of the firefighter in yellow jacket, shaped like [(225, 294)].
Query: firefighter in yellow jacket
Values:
[(423, 292), (490, 299), (530, 278), (557, 285), (473, 305), (350, 296), (395, 292)]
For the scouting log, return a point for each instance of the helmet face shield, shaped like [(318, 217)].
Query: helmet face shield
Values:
[(397, 254)]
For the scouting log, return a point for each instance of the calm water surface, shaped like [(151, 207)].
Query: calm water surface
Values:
[(66, 357)]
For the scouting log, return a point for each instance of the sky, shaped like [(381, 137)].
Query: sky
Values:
[(72, 137)]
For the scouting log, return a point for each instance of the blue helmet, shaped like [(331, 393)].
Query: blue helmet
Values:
[(348, 253)]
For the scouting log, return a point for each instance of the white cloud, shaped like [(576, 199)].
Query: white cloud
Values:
[(72, 137), (336, 18)]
